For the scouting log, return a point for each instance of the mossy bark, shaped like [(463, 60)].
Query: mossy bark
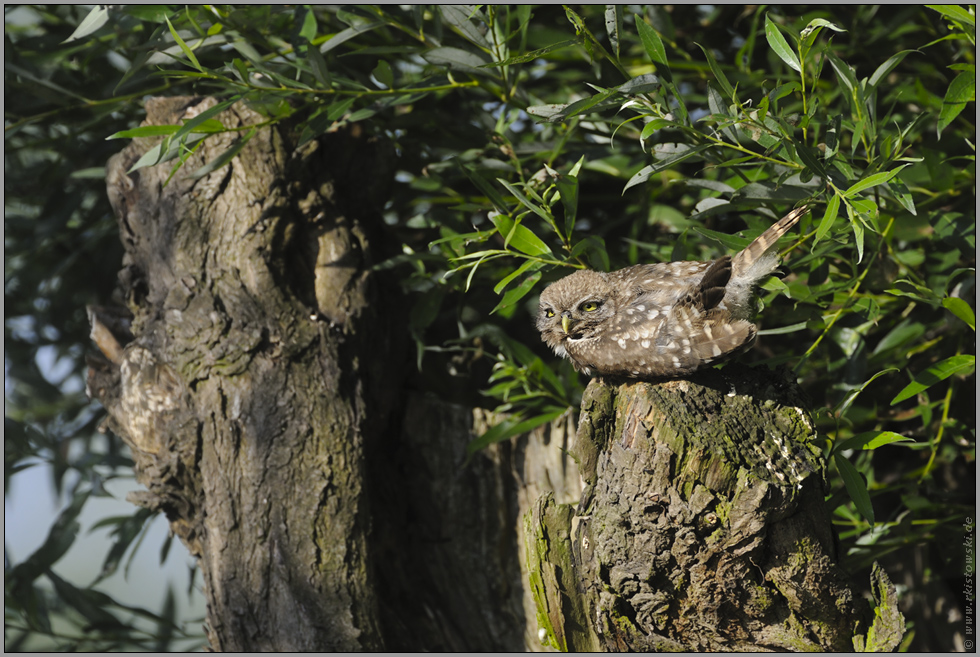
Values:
[(701, 528)]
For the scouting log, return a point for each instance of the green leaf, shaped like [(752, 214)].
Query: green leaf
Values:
[(347, 35), (779, 46), (184, 48), (841, 408), (641, 84), (614, 26), (533, 207), (319, 67), (872, 440), (459, 17), (653, 45), (901, 335), (95, 19), (518, 236), (456, 59), (902, 194), (871, 181), (145, 131), (846, 74), (955, 13), (529, 265), (887, 67), (531, 56), (510, 427), (308, 29), (856, 487), (962, 90), (516, 294), (962, 310), (653, 126), (720, 77), (383, 74), (581, 106), (224, 158), (829, 217), (568, 187), (208, 127), (934, 374), (676, 158)]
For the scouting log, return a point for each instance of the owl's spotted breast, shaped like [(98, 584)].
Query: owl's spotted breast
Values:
[(659, 320)]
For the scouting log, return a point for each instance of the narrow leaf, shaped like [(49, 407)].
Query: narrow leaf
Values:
[(962, 310), (829, 217), (934, 374), (962, 90), (643, 174), (531, 56), (871, 181), (955, 13), (779, 46), (568, 187), (856, 487), (519, 237), (902, 194), (887, 67), (346, 35), (224, 158), (872, 440), (516, 294), (184, 48), (614, 26), (512, 427), (653, 45), (531, 265), (95, 19), (459, 17), (722, 80)]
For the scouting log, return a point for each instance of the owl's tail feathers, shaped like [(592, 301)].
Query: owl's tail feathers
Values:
[(755, 262), (759, 258)]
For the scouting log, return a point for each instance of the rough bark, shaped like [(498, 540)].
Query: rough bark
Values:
[(702, 527), (257, 377)]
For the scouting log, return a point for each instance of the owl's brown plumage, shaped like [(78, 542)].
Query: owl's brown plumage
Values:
[(663, 320)]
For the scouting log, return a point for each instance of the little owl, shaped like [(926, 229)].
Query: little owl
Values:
[(663, 320)]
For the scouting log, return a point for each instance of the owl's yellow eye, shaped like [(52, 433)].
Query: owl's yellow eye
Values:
[(589, 306), (549, 313)]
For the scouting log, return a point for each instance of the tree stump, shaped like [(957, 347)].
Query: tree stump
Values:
[(702, 527)]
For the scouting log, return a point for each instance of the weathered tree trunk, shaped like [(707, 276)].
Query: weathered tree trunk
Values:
[(260, 387), (702, 527), (259, 373)]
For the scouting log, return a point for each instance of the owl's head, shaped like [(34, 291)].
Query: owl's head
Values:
[(574, 307)]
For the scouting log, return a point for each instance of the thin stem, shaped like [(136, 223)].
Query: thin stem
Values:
[(939, 434), (846, 304)]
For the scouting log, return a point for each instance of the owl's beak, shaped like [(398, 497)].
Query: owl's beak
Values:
[(566, 323)]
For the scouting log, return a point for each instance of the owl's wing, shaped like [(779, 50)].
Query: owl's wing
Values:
[(672, 323)]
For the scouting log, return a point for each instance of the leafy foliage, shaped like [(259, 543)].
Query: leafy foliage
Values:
[(533, 141)]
